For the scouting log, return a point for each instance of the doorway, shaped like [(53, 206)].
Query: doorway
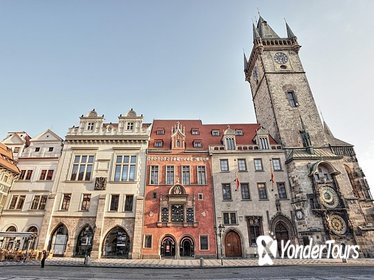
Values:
[(233, 245)]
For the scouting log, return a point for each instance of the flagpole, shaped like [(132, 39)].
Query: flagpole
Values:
[(272, 180)]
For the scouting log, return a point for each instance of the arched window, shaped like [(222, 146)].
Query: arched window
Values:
[(84, 241), (116, 243), (59, 240)]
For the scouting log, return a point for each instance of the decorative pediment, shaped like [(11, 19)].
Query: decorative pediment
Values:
[(47, 135), (178, 136), (177, 190)]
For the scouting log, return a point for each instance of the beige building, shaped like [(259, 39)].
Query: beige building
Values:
[(331, 198), (96, 206), (251, 190), (25, 207)]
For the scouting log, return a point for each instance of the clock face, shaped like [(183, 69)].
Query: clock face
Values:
[(299, 214), (328, 197), (280, 58), (337, 224)]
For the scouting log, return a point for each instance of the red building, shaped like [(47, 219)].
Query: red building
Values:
[(179, 204)]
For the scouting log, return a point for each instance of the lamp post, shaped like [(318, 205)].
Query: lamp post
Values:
[(219, 230)]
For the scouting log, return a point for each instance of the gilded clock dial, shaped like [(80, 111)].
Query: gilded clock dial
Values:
[(328, 197), (280, 58), (337, 224)]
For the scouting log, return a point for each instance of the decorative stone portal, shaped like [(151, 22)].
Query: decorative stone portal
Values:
[(186, 247), (168, 247)]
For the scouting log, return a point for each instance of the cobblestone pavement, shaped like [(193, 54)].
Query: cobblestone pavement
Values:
[(191, 263)]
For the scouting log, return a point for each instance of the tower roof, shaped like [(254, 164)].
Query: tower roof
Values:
[(264, 30), (331, 138), (289, 32)]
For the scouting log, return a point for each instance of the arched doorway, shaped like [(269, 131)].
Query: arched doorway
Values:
[(9, 242), (186, 247), (84, 241), (281, 233), (59, 240), (117, 243), (233, 245), (167, 247), (30, 242)]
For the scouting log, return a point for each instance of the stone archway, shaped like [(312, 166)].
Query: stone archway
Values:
[(116, 243), (233, 245), (168, 245), (281, 233), (84, 241), (59, 241), (186, 247)]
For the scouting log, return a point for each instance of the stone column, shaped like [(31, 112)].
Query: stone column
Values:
[(44, 231), (138, 228), (96, 243)]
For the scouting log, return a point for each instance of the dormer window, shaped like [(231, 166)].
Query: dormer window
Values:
[(90, 126), (239, 132), (197, 144), (158, 143), (160, 131), (230, 143), (215, 132), (263, 143), (195, 131), (130, 126)]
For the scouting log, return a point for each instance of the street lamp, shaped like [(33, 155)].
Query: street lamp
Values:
[(219, 230)]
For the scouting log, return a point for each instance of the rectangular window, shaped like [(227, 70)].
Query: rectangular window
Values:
[(39, 201), (158, 143), (200, 196), (282, 190), (160, 131), (244, 188), (195, 131), (50, 149), (239, 132), (46, 175), (65, 201), (230, 143), (86, 200), (292, 100), (130, 126), (262, 193), (154, 175), (204, 242), (82, 168), (147, 241), (201, 175), (264, 143), (190, 217), (226, 191), (276, 164), (185, 175), (129, 202), (125, 169), (169, 175), (197, 144), (229, 218), (177, 213), (20, 202), (114, 202), (25, 175), (258, 164), (254, 229), (90, 126), (215, 132), (37, 149), (13, 202), (224, 164), (242, 164)]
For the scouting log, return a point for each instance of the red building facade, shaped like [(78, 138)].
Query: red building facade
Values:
[(179, 204)]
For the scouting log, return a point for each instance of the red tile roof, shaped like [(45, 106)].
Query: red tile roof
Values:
[(6, 159), (205, 136)]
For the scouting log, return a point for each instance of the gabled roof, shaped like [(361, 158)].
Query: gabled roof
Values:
[(47, 135), (6, 159), (14, 138), (205, 133)]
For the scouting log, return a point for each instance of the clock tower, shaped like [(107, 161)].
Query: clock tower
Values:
[(282, 98), (330, 195)]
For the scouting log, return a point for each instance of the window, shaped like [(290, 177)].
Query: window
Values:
[(39, 202), (165, 215), (125, 169), (226, 191), (169, 175), (195, 131), (50, 149), (197, 144), (185, 175), (130, 126), (158, 143), (258, 164), (37, 149), (90, 126), (264, 143), (204, 242), (65, 201), (160, 131), (239, 132), (215, 132), (177, 213), (129, 202), (154, 175), (244, 188), (229, 218), (114, 201), (242, 164), (147, 241), (201, 177), (254, 229), (46, 175), (230, 143), (86, 199), (17, 202), (262, 193), (190, 215), (200, 196), (276, 164), (224, 163), (82, 168), (292, 100), (282, 190), (25, 175), (154, 195), (16, 150)]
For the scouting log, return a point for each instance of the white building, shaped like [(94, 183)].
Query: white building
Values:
[(97, 202)]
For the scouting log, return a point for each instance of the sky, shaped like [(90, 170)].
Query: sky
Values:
[(177, 59)]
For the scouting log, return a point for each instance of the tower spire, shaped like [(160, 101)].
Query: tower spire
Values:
[(264, 30), (290, 34)]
